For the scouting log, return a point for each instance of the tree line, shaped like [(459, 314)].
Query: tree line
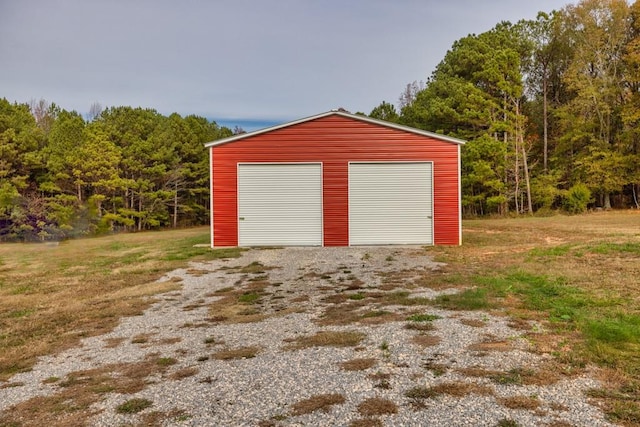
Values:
[(550, 109), (122, 169)]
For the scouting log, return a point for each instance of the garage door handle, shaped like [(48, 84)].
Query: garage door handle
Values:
[(241, 218)]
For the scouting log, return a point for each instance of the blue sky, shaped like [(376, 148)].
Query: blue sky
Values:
[(266, 61)]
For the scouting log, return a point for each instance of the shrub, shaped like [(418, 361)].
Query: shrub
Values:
[(577, 198)]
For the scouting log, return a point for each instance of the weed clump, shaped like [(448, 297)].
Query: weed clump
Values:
[(319, 402), (377, 406), (470, 299), (133, 406), (237, 353), (422, 317), (520, 402), (327, 339), (358, 364)]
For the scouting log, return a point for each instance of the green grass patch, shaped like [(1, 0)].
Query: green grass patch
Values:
[(511, 377), (619, 330), (613, 248), (21, 313), (184, 249), (422, 317), (555, 251), (254, 268), (614, 340), (612, 336), (375, 313), (470, 299), (21, 290), (133, 406), (249, 298), (507, 422), (166, 361), (357, 297), (421, 392), (563, 302), (554, 295), (585, 287)]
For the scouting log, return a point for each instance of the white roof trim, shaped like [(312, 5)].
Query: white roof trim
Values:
[(337, 113)]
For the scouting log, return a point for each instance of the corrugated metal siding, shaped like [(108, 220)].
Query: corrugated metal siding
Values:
[(334, 141), (279, 204), (390, 203)]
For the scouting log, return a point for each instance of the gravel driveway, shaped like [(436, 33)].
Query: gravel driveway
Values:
[(306, 337)]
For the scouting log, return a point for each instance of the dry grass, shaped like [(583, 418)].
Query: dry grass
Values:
[(237, 353), (380, 376), (491, 346), (341, 313), (197, 272), (366, 422), (461, 389), (327, 339), (344, 309), (474, 323), (420, 326), (547, 374), (250, 301), (392, 280), (558, 407), (142, 338), (183, 373), (437, 369), (561, 244), (377, 406), (158, 418), (169, 341), (319, 402), (453, 388), (519, 323), (420, 393), (358, 364), (52, 296), (114, 342), (255, 268), (425, 340), (559, 423), (520, 402), (71, 404)]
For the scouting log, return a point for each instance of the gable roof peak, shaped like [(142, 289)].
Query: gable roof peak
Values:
[(343, 113)]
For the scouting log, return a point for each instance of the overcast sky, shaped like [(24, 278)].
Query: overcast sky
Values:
[(273, 60)]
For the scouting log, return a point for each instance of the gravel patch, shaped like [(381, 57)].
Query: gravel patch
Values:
[(202, 390)]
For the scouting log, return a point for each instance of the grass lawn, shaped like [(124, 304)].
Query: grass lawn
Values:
[(578, 275), (52, 296)]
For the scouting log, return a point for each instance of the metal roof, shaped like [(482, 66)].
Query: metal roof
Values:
[(341, 113)]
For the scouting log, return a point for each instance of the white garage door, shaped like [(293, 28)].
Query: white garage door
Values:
[(280, 204), (390, 203)]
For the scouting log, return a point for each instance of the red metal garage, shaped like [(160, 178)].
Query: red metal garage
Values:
[(335, 179)]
